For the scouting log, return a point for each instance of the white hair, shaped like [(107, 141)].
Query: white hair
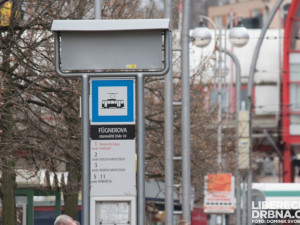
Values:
[(63, 220)]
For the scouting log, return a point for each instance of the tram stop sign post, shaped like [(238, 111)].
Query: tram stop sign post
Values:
[(108, 49)]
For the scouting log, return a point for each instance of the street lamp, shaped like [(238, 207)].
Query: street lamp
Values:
[(201, 35), (238, 37)]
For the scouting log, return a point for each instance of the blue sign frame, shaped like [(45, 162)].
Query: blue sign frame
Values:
[(96, 118)]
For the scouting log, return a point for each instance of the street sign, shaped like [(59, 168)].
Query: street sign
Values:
[(112, 101), (90, 46), (219, 194), (112, 133), (125, 51), (111, 210), (113, 168)]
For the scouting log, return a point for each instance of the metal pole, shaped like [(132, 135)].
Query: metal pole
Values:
[(141, 148), (249, 101), (238, 107), (219, 131), (244, 202), (213, 218), (98, 9), (85, 150), (168, 130), (185, 115), (219, 139)]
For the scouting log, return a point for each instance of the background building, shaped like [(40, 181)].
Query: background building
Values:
[(275, 111), (254, 12)]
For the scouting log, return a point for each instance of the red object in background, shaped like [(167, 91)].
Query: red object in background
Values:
[(288, 139), (220, 182), (198, 217)]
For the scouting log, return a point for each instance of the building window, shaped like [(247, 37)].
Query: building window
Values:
[(285, 10), (219, 21), (269, 168), (294, 94), (295, 36), (255, 12)]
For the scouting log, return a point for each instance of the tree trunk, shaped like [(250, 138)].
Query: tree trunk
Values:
[(8, 184), (73, 166), (71, 191), (8, 179)]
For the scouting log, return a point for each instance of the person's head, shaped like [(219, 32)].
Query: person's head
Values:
[(182, 222), (64, 220), (76, 222)]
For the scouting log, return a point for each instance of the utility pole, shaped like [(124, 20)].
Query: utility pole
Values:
[(168, 131), (185, 115), (249, 101), (98, 9)]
